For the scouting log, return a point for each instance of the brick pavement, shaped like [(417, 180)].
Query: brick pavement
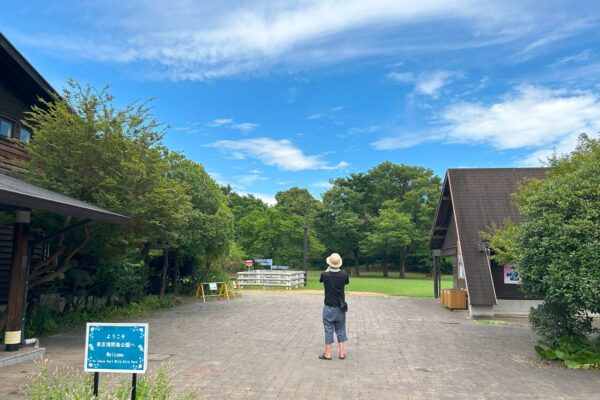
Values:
[(265, 346)]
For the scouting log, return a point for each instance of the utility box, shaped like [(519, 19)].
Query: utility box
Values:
[(454, 299)]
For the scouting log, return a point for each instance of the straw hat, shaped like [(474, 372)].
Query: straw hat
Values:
[(334, 260)]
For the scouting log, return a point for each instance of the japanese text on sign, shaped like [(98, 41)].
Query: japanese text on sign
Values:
[(116, 347)]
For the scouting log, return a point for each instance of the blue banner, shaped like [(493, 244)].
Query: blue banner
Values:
[(116, 347)]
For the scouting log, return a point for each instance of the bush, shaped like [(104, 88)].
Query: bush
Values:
[(71, 384), (43, 321), (553, 320), (576, 352)]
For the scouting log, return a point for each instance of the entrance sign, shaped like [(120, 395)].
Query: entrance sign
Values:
[(265, 262), (121, 348)]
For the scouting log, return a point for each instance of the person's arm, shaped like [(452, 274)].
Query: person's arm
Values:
[(347, 279), (321, 278)]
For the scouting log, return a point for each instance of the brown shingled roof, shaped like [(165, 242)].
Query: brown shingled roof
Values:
[(478, 198)]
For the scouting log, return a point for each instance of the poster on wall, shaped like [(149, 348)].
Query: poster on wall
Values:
[(511, 275), (461, 267)]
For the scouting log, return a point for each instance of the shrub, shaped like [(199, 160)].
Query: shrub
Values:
[(576, 352), (72, 384), (44, 322)]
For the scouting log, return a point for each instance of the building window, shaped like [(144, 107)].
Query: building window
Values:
[(25, 135), (6, 127)]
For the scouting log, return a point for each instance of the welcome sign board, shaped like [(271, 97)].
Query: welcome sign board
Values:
[(121, 348)]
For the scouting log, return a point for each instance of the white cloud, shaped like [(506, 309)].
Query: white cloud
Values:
[(315, 116), (530, 117), (426, 83), (244, 126), (231, 124), (400, 141), (401, 77), (340, 165), (267, 198), (200, 40), (243, 181), (220, 122), (364, 129), (322, 185), (278, 153), (580, 57)]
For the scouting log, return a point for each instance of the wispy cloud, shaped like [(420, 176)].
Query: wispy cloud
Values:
[(315, 116), (556, 33), (278, 153), (580, 57), (252, 37), (322, 185), (425, 83), (401, 141), (231, 124)]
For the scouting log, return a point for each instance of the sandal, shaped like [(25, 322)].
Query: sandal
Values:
[(343, 357), (323, 357)]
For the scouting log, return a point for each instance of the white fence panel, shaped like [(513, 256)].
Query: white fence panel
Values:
[(271, 278)]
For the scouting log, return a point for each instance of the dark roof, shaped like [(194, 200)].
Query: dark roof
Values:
[(478, 198), (17, 194), (15, 61)]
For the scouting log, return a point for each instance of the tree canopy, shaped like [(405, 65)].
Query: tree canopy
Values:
[(556, 245)]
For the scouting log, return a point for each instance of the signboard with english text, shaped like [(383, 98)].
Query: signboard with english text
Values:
[(120, 348)]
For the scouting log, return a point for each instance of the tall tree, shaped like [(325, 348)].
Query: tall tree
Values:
[(391, 233), (277, 234), (84, 147)]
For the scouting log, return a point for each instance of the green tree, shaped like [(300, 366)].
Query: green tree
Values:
[(556, 245), (277, 234), (353, 202), (298, 201), (391, 233), (208, 233), (84, 147)]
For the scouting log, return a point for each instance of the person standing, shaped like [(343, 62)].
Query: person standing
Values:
[(334, 311)]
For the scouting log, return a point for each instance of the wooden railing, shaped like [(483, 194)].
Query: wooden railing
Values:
[(271, 278)]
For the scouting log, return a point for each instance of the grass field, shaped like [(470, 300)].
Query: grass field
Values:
[(415, 285)]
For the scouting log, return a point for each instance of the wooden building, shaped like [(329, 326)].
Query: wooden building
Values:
[(21, 86), (471, 201)]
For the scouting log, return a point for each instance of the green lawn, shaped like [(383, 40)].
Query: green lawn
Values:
[(415, 285)]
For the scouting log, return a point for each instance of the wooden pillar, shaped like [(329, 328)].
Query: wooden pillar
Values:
[(16, 291), (436, 273)]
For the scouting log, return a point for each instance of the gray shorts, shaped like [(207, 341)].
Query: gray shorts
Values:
[(334, 319)]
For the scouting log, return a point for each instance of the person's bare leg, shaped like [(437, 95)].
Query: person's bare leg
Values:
[(342, 350), (328, 350)]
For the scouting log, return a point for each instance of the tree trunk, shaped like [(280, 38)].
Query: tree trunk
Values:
[(145, 250), (176, 275), (356, 267), (368, 264), (165, 267), (384, 267), (403, 264)]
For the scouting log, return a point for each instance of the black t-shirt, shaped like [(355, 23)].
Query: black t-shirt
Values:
[(334, 283)]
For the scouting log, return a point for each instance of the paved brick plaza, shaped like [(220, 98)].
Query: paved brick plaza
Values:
[(265, 346)]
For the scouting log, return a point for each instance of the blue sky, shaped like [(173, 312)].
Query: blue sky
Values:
[(268, 95)]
